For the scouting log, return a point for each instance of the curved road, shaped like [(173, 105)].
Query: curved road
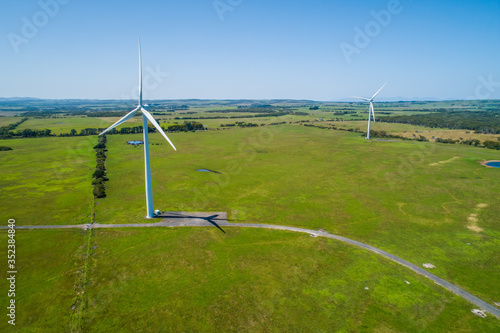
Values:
[(220, 220)]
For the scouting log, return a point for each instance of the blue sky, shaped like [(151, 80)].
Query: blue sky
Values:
[(258, 49)]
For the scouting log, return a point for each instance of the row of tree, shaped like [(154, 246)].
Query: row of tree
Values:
[(487, 122), (240, 124), (384, 134), (474, 142), (492, 144), (188, 126), (29, 133), (258, 115), (470, 142), (244, 110), (99, 175), (6, 130)]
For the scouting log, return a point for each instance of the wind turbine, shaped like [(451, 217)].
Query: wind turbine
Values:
[(145, 117), (371, 113)]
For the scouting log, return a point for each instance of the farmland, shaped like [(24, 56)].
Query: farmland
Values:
[(412, 199)]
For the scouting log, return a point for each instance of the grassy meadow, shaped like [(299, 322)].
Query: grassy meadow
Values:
[(47, 180), (47, 262), (414, 131), (65, 125), (201, 280), (394, 195), (425, 202), (4, 121)]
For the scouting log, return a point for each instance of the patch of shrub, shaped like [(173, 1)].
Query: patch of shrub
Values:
[(492, 145), (99, 175), (451, 141), (99, 191)]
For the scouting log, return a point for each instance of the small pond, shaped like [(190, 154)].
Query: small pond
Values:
[(493, 164), (135, 143)]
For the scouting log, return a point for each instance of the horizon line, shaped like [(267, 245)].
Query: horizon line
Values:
[(341, 100)]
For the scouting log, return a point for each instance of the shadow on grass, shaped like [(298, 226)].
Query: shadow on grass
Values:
[(208, 170), (211, 219)]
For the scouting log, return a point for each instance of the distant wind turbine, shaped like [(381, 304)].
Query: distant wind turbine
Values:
[(371, 113), (145, 117)]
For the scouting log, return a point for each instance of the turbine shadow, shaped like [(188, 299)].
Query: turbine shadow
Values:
[(210, 219), (208, 170)]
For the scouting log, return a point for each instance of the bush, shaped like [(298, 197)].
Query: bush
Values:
[(100, 180), (492, 145), (472, 142), (451, 141), (100, 165), (99, 191), (422, 138), (99, 173)]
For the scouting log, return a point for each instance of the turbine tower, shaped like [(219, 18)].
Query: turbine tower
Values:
[(371, 113), (145, 117)]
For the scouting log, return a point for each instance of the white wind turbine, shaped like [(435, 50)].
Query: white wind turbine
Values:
[(371, 113), (145, 117)]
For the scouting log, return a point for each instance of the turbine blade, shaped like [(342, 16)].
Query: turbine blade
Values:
[(155, 124), (140, 73), (363, 98), (124, 119), (378, 91), (373, 111)]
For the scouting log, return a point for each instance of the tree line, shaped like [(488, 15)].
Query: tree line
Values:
[(485, 122), (31, 133), (259, 115), (5, 130), (188, 126), (240, 110), (99, 175), (470, 142), (473, 142), (241, 124)]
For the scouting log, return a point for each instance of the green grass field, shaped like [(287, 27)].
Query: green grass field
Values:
[(201, 280), (383, 193), (413, 131), (47, 262), (4, 121), (393, 195), (64, 125), (47, 180)]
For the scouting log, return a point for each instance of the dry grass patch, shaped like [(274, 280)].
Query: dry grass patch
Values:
[(443, 162)]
